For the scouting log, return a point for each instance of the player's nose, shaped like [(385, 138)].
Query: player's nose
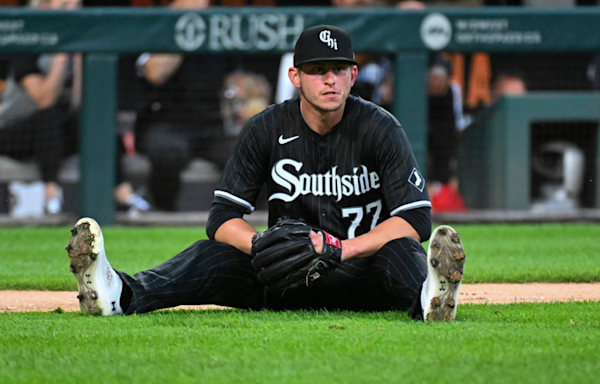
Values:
[(329, 77)]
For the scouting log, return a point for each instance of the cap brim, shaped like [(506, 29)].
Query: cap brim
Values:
[(326, 59)]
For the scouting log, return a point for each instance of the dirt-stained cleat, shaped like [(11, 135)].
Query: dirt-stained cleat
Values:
[(445, 268), (99, 285)]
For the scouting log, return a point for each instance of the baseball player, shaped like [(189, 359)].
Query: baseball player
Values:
[(348, 210)]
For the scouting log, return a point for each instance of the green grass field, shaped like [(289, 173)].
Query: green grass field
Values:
[(517, 343), (35, 258)]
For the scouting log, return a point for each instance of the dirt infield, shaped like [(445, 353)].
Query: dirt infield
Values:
[(25, 301)]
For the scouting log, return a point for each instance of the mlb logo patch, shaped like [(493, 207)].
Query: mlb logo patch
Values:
[(417, 180)]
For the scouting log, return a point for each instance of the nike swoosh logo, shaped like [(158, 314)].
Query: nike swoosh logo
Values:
[(283, 141)]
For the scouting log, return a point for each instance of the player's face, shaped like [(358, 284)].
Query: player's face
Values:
[(325, 85)]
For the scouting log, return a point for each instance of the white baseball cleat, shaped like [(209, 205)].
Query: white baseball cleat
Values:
[(99, 285), (445, 268)]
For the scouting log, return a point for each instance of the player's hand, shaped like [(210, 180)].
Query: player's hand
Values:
[(317, 240), (292, 254), (60, 60)]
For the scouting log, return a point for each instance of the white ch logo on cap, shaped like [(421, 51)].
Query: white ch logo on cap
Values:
[(325, 36)]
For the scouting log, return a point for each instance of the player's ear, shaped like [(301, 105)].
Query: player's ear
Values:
[(294, 75), (354, 74)]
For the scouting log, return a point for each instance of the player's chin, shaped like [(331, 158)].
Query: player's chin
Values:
[(330, 108), (331, 105)]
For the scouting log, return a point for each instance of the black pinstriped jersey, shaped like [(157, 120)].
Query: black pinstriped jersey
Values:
[(346, 181)]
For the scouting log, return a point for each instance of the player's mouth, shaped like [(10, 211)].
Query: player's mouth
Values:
[(330, 94)]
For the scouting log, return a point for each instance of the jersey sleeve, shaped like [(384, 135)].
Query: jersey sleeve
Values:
[(245, 171), (403, 186)]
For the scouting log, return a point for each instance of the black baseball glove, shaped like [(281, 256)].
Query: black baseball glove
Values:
[(285, 256)]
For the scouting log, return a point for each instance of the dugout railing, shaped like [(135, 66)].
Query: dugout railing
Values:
[(410, 36)]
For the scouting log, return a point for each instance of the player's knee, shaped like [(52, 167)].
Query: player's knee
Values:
[(401, 254), (406, 244)]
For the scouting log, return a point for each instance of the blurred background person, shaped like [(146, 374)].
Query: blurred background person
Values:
[(180, 117), (244, 94), (508, 83), (38, 113), (193, 108), (445, 121)]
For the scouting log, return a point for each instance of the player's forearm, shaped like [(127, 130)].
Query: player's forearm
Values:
[(161, 66), (372, 241), (44, 90), (237, 233)]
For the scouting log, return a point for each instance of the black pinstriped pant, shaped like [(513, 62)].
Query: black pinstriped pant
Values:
[(210, 272)]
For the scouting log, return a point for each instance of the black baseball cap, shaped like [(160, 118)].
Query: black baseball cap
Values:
[(323, 42)]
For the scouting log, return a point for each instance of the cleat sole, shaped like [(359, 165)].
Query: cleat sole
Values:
[(446, 259), (81, 257)]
